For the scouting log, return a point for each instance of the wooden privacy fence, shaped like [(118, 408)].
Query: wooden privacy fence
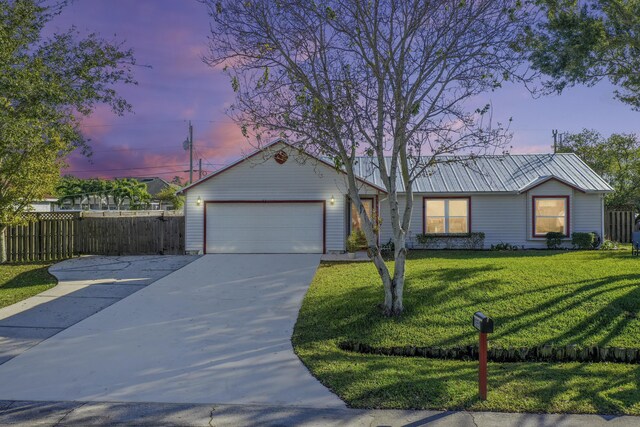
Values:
[(618, 225), (52, 236), (45, 237), (130, 235)]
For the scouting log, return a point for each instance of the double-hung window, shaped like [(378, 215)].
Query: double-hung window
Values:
[(446, 216), (550, 214)]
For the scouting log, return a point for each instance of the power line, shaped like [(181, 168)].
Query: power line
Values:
[(155, 174), (161, 173), (173, 146), (124, 169), (144, 124), (213, 165)]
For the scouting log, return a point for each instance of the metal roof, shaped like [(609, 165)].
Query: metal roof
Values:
[(511, 173)]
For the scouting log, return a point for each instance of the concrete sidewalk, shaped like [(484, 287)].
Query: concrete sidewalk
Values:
[(193, 415), (86, 285)]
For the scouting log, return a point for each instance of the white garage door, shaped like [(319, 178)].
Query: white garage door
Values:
[(265, 227)]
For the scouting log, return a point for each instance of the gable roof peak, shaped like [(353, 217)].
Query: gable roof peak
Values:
[(268, 146)]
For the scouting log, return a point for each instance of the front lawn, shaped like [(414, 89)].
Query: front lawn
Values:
[(535, 298), (21, 281)]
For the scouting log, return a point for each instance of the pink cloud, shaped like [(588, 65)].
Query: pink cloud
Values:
[(218, 144), (97, 124)]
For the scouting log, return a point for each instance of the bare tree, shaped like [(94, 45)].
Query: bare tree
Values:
[(346, 78)]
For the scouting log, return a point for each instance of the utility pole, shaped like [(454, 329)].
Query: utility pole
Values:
[(200, 170), (190, 153), (555, 140)]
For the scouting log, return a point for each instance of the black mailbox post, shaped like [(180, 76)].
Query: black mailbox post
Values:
[(484, 325)]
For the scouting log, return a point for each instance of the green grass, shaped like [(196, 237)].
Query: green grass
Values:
[(21, 281), (535, 297)]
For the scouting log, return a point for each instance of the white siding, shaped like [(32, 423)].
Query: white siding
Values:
[(507, 217), (260, 179), (41, 207), (386, 232), (587, 213), (502, 218)]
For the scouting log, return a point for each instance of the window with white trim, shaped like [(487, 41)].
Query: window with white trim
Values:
[(446, 216), (550, 214)]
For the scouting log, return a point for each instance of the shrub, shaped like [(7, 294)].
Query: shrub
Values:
[(473, 240), (554, 239), (388, 249), (356, 241), (390, 246), (583, 240), (609, 245), (502, 246)]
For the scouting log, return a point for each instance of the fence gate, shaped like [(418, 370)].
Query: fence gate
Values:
[(618, 225), (116, 234)]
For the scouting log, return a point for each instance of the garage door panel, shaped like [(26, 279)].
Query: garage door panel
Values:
[(265, 227)]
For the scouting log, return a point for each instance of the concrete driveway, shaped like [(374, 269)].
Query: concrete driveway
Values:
[(85, 286), (216, 331)]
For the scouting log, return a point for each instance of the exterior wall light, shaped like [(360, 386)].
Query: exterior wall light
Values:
[(199, 201), (332, 201)]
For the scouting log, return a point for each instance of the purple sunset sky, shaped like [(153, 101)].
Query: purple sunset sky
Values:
[(171, 36)]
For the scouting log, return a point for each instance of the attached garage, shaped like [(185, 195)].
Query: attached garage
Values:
[(296, 226), (276, 200)]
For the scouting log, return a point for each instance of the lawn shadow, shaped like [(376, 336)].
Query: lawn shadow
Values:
[(580, 332), (17, 288), (36, 277), (387, 382), (354, 321), (377, 381)]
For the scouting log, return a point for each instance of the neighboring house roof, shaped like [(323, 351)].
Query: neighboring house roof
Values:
[(154, 184), (511, 173)]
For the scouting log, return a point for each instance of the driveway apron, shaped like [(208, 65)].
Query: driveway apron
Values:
[(216, 331)]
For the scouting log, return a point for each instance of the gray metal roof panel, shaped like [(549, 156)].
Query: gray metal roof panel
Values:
[(503, 173)]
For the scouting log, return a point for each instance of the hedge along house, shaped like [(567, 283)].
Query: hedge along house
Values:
[(282, 200)]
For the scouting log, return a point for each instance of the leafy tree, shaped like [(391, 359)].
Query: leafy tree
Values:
[(616, 159), (71, 189), (168, 195), (132, 190), (585, 42), (46, 85), (340, 78), (177, 180), (118, 190)]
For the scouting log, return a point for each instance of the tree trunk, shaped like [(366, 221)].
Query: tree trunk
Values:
[(387, 282), (393, 286), (398, 276), (393, 305), (3, 244)]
